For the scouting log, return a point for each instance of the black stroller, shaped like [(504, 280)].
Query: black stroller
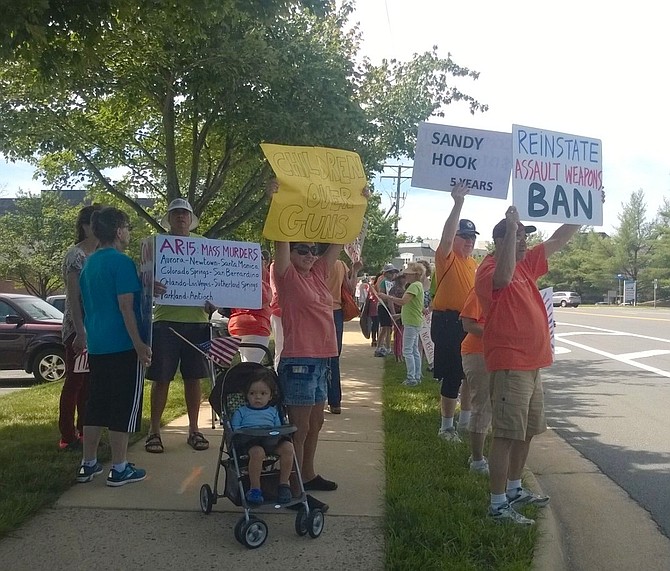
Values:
[(251, 531)]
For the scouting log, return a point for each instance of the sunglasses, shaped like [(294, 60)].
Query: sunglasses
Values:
[(304, 250)]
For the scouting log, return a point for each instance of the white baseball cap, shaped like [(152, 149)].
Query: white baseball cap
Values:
[(179, 204)]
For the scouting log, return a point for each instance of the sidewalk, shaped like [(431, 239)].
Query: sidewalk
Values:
[(157, 524)]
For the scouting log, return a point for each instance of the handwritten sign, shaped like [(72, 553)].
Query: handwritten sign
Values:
[(320, 195), (197, 269), (355, 249), (557, 177), (446, 155), (426, 339)]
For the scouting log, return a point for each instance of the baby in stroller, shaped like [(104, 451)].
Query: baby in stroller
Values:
[(259, 412)]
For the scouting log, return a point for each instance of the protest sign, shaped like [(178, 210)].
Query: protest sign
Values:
[(547, 297), (446, 155), (195, 270), (320, 195), (355, 248), (556, 177), (426, 339), (147, 278)]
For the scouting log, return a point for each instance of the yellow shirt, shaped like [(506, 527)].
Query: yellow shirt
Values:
[(336, 278)]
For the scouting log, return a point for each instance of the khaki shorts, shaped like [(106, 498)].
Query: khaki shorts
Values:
[(518, 404), (478, 379)]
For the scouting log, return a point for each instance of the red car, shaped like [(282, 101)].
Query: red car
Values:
[(30, 337)]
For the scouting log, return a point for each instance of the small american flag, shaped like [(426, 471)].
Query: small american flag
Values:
[(221, 349), (81, 363)]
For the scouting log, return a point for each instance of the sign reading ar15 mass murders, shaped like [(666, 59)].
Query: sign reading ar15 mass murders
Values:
[(320, 195), (557, 177), (195, 270), (446, 155)]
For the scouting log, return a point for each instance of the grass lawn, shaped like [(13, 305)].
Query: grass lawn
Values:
[(33, 471), (435, 508)]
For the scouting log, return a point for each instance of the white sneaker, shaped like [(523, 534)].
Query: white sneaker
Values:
[(505, 513), (522, 497), (479, 466), (449, 435)]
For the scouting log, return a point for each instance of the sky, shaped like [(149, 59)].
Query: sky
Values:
[(591, 68)]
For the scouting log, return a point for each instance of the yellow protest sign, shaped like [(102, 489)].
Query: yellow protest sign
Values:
[(320, 195)]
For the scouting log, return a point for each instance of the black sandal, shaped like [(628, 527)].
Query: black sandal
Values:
[(154, 444), (197, 441)]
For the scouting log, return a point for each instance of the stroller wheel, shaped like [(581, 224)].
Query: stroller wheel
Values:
[(252, 533), (301, 522), (206, 499), (315, 522)]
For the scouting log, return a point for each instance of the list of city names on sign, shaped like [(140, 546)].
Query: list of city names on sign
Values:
[(195, 270)]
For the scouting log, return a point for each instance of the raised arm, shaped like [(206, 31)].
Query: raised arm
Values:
[(282, 257), (506, 251), (451, 225), (560, 238)]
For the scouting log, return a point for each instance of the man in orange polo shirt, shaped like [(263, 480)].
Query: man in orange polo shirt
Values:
[(516, 347), (454, 278)]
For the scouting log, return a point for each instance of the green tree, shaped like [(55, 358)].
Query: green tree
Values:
[(172, 99), (33, 242), (381, 242)]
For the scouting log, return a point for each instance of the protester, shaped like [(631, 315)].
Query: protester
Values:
[(75, 386), (411, 304), (454, 278), (339, 277), (373, 312), (171, 352), (477, 378), (383, 285), (516, 347), (275, 319), (253, 325), (110, 291), (397, 291)]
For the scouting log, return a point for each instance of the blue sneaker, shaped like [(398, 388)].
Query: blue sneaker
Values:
[(284, 495), (255, 496), (128, 476), (87, 473)]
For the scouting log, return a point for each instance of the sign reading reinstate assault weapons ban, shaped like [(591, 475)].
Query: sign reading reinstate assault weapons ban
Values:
[(195, 270)]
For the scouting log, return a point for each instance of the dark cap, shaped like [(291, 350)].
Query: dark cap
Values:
[(466, 226), (500, 229)]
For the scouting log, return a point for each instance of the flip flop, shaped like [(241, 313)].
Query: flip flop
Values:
[(197, 441), (154, 444)]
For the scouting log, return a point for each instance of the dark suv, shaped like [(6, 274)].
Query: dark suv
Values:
[(30, 336)]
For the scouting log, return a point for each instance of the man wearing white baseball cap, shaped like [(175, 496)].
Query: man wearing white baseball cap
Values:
[(170, 352)]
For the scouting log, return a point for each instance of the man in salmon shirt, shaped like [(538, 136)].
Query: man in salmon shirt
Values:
[(516, 347)]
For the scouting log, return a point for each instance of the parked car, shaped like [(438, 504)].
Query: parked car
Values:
[(30, 337), (58, 301), (566, 298)]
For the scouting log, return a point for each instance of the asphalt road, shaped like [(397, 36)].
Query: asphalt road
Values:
[(607, 395), (14, 381)]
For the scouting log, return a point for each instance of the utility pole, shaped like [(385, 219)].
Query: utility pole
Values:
[(398, 177)]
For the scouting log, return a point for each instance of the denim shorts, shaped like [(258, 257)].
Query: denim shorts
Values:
[(303, 380)]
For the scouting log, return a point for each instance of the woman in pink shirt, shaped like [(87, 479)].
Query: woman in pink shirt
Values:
[(300, 277)]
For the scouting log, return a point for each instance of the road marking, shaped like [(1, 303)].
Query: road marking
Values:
[(624, 316), (561, 350), (644, 354), (621, 358)]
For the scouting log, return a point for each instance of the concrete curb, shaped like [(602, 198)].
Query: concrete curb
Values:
[(548, 553)]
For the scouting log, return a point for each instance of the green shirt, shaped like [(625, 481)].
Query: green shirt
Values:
[(412, 312)]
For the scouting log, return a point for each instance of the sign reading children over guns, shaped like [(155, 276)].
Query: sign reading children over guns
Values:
[(320, 195), (197, 269), (557, 177), (446, 155)]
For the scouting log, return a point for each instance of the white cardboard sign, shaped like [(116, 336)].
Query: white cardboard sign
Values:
[(445, 155), (198, 269), (556, 177)]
